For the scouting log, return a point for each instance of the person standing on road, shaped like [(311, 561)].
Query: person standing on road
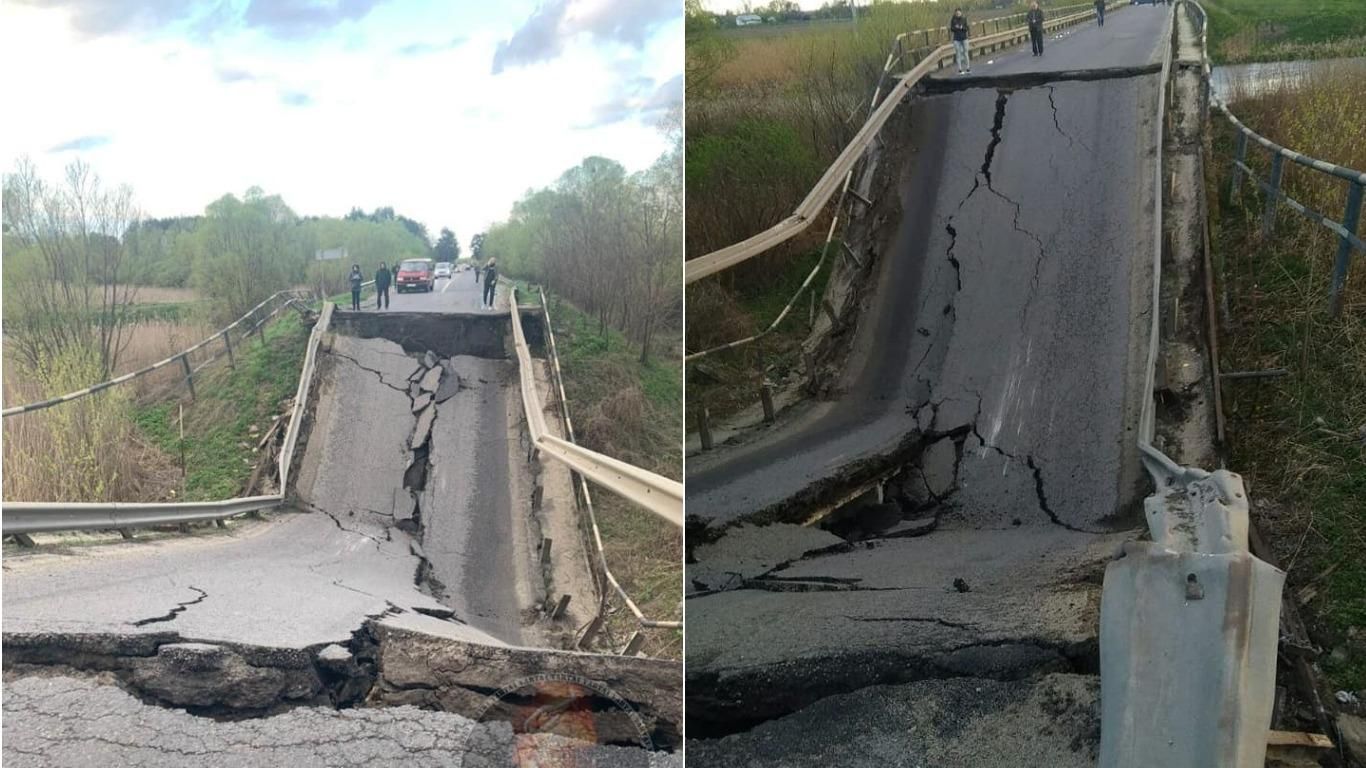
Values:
[(1035, 20), (1100, 13), (475, 269), (490, 282), (382, 287), (958, 27), (356, 279)]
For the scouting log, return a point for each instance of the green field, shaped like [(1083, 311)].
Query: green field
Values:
[(1285, 30)]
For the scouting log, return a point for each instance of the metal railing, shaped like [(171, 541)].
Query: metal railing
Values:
[(38, 517), (810, 208), (1346, 229), (1159, 466), (182, 357), (603, 573), (654, 492), (901, 46)]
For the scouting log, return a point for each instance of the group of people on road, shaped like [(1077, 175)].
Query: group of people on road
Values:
[(959, 30), (385, 276)]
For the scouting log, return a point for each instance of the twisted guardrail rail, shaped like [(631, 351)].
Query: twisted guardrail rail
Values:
[(654, 492), (603, 573)]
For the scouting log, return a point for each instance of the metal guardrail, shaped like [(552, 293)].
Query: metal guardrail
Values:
[(604, 571), (1157, 463), (810, 208), (901, 46), (654, 492), (182, 357), (1346, 229), (40, 517)]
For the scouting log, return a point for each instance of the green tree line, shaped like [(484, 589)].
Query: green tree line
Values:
[(76, 250), (607, 240)]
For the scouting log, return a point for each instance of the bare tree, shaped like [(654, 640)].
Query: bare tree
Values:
[(67, 276)]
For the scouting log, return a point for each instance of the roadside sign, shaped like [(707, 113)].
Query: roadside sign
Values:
[(330, 254)]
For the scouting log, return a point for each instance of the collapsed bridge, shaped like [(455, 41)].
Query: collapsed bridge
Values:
[(410, 570)]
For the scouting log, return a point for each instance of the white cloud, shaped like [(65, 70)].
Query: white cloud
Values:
[(350, 121)]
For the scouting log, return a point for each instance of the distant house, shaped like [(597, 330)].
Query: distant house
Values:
[(746, 19)]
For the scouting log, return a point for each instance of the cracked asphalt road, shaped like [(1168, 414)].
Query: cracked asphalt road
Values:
[(63, 721), (1008, 290), (1007, 313)]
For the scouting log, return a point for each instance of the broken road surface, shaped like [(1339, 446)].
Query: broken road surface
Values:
[(993, 388), (406, 575)]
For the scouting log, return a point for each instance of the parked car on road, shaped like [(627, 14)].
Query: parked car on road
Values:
[(443, 269), (416, 275)]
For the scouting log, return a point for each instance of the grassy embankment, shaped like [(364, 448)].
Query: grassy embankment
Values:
[(232, 408), (1300, 440), (632, 412), (777, 105), (123, 444), (1277, 30)]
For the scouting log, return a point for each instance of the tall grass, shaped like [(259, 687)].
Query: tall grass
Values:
[(1300, 440), (83, 450)]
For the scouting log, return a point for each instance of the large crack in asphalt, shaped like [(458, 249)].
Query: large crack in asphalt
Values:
[(174, 612)]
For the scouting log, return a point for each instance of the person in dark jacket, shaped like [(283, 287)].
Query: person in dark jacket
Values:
[(1100, 13), (356, 279), (958, 27), (382, 287), (1035, 21), (490, 282)]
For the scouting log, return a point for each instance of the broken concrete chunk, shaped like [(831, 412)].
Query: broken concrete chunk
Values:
[(413, 389), (407, 525), (939, 465), (424, 427), (429, 381), (334, 655), (450, 384), (428, 359), (421, 401), (204, 675)]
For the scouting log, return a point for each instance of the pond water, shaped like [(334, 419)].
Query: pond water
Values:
[(1243, 80)]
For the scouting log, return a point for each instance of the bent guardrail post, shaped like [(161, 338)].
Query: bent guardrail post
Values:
[(1351, 220), (1189, 627)]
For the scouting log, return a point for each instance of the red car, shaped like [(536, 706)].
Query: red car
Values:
[(416, 275)]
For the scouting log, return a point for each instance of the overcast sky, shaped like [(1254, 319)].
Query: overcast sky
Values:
[(448, 111)]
